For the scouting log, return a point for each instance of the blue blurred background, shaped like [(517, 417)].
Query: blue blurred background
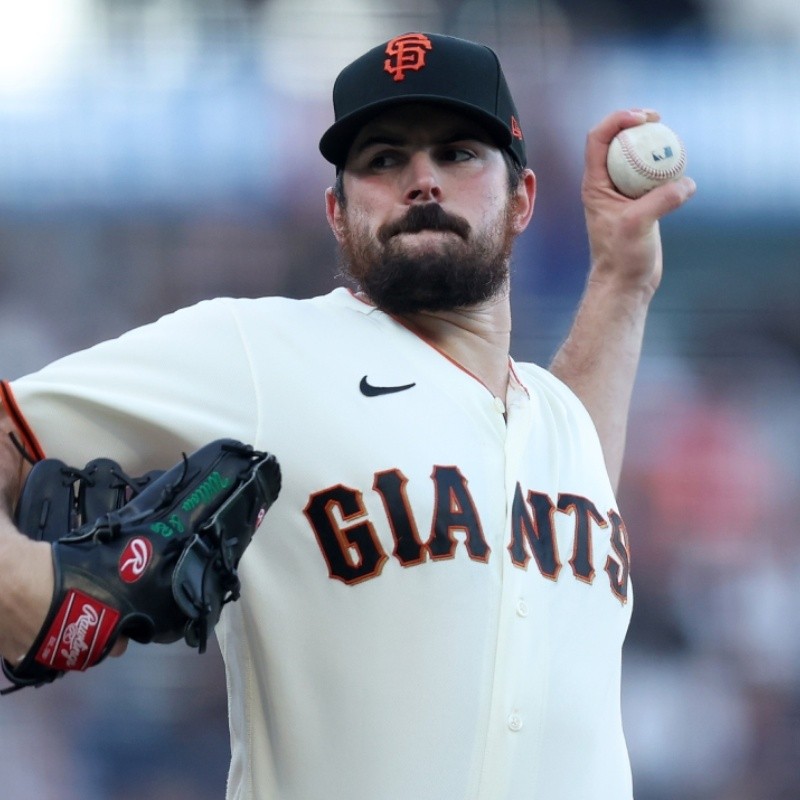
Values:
[(157, 152)]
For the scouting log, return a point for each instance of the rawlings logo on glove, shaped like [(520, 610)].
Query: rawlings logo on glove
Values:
[(78, 634), (134, 559), (153, 558)]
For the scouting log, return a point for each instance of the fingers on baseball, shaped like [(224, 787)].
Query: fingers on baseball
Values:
[(664, 199), (599, 138)]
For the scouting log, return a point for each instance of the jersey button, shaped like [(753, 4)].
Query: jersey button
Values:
[(499, 406), (514, 722), (522, 608)]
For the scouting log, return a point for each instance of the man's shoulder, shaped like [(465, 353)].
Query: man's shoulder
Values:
[(272, 311), (530, 373), (339, 300), (543, 383)]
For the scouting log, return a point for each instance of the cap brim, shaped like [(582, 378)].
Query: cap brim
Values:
[(336, 141)]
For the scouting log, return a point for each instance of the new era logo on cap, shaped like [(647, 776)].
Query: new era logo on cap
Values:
[(423, 68)]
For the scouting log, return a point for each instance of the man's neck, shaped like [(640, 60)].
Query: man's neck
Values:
[(477, 338)]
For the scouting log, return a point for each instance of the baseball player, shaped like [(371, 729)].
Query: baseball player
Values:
[(434, 608)]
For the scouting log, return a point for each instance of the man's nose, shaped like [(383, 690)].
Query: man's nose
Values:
[(423, 179)]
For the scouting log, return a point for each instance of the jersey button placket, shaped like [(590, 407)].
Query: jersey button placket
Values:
[(519, 405), (510, 695), (514, 722)]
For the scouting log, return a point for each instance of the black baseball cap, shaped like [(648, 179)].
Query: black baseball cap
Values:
[(423, 68)]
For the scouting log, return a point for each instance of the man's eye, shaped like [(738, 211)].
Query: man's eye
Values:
[(457, 154), (383, 160)]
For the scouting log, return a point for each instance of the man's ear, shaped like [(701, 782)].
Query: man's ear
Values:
[(523, 201), (333, 211)]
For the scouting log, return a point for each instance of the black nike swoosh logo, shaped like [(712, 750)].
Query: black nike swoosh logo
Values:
[(368, 390)]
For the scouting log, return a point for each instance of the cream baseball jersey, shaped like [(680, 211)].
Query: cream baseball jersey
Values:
[(435, 606)]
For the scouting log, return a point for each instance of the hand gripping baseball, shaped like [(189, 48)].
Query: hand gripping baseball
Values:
[(152, 558), (624, 233)]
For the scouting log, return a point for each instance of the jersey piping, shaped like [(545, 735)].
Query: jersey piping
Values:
[(27, 437)]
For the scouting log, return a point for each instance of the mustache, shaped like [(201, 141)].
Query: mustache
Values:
[(428, 216)]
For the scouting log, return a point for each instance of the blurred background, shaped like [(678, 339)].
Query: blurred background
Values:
[(157, 152)]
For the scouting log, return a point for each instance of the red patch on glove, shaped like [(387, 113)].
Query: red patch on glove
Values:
[(78, 634), (134, 559)]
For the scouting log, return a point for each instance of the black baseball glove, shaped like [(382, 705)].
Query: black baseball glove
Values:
[(153, 558)]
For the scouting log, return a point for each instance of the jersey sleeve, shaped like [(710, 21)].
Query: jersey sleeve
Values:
[(145, 397)]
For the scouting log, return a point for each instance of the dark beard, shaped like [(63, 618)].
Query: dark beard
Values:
[(458, 273)]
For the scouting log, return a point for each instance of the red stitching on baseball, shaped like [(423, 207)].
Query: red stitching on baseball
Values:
[(645, 169)]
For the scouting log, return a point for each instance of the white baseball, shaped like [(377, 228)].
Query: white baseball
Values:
[(645, 156)]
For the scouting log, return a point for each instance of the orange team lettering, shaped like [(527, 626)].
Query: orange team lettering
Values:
[(405, 53)]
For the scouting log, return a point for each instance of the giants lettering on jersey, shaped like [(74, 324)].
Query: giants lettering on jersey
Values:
[(354, 553)]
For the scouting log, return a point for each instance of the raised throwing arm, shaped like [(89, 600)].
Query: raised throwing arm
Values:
[(600, 357)]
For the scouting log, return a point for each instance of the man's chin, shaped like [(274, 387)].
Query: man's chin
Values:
[(429, 269)]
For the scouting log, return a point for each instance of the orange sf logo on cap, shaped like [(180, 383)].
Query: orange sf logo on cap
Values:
[(406, 52)]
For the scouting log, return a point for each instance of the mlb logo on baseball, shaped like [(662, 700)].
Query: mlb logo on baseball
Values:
[(643, 157)]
